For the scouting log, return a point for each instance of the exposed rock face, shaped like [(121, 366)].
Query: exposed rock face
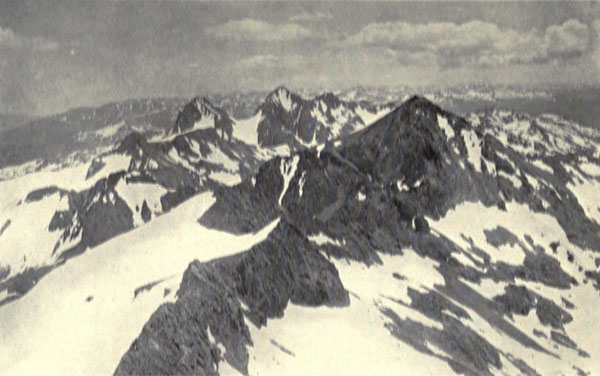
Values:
[(202, 114), (146, 213), (517, 300), (358, 199), (421, 224), (183, 337)]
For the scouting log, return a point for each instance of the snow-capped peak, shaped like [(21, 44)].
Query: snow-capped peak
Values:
[(200, 113), (283, 97)]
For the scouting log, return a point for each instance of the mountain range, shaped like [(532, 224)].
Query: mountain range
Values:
[(317, 236)]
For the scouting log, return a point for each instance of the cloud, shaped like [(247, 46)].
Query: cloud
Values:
[(258, 62), (270, 62), (569, 39), (9, 39), (311, 17), (254, 30), (476, 43)]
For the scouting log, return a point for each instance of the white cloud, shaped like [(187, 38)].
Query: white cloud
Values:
[(311, 17), (270, 62), (9, 39), (570, 38), (476, 43), (254, 30), (258, 62)]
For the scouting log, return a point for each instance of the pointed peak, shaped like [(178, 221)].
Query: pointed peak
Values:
[(198, 108), (282, 89), (419, 103), (281, 96), (203, 99), (417, 100), (281, 92), (205, 107)]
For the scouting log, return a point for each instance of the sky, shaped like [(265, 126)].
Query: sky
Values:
[(57, 55)]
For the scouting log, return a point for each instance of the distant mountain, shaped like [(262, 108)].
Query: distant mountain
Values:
[(537, 137), (81, 133), (285, 118), (481, 93), (201, 114), (576, 104)]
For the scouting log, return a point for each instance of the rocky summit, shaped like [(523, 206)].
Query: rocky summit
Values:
[(317, 236)]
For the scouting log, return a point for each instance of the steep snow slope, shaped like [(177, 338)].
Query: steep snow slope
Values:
[(83, 316), (27, 207), (353, 339), (247, 129), (499, 235)]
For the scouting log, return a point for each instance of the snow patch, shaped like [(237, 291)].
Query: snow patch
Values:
[(443, 123), (473, 144), (112, 163), (12, 172), (369, 117), (301, 183), (27, 242), (246, 130), (590, 168), (513, 179), (542, 166), (110, 130), (287, 169), (135, 194), (402, 187), (517, 218), (321, 239), (227, 178), (586, 191), (178, 159)]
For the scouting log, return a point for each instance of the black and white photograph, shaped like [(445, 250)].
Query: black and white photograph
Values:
[(295, 188)]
